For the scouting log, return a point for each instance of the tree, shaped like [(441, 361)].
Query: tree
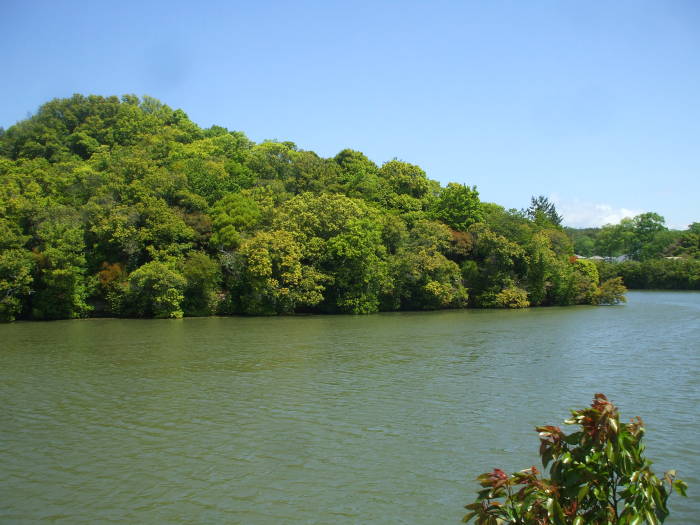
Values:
[(542, 210), (496, 264), (598, 476), (203, 276), (458, 206), (584, 245), (233, 217), (617, 239), (156, 290), (342, 239), (584, 282), (270, 278), (646, 227), (358, 175), (422, 277), (611, 291), (61, 284), (542, 269), (16, 269)]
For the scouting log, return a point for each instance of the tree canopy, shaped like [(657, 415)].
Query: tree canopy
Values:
[(125, 207)]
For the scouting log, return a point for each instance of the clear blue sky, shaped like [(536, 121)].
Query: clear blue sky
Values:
[(595, 104)]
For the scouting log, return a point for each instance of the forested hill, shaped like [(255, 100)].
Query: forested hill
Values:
[(125, 207)]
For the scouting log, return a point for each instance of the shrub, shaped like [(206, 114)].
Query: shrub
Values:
[(512, 297), (611, 291), (598, 476)]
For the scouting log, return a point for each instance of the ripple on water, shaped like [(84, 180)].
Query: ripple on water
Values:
[(379, 419)]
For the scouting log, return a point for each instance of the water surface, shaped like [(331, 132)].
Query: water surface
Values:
[(326, 419)]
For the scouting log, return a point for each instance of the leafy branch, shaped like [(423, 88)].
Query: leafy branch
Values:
[(598, 476)]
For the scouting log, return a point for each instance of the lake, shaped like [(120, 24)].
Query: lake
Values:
[(326, 419)]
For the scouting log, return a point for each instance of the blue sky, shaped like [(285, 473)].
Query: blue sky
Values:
[(594, 104)]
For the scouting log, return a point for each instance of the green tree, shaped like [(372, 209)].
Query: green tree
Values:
[(16, 279), (584, 282), (458, 206), (269, 276), (358, 176), (584, 245), (341, 238), (233, 217), (61, 282), (646, 227), (613, 240), (550, 269), (203, 276), (407, 188), (422, 277), (611, 291), (94, 189), (512, 297), (156, 289), (543, 211), (496, 264)]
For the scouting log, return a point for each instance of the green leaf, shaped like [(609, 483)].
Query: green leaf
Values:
[(582, 492), (610, 452), (651, 518), (555, 512), (680, 487)]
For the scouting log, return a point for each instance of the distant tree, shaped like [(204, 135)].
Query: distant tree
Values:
[(422, 277), (615, 239), (16, 278), (685, 243), (611, 291), (203, 276), (61, 282), (233, 217), (647, 227), (541, 209), (156, 289), (458, 206), (358, 176), (584, 245), (495, 264), (271, 277)]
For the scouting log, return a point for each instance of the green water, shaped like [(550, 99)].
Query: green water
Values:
[(377, 419)]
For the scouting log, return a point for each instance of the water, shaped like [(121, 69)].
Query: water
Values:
[(377, 419)]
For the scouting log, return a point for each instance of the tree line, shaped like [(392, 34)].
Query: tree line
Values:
[(124, 207), (653, 256)]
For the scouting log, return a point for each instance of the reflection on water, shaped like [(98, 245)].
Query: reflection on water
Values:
[(319, 419)]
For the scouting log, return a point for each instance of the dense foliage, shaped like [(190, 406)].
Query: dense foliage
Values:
[(643, 252), (598, 476), (125, 207), (655, 274), (642, 237)]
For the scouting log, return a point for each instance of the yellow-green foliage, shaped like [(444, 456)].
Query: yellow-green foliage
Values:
[(611, 291), (512, 297), (123, 206)]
